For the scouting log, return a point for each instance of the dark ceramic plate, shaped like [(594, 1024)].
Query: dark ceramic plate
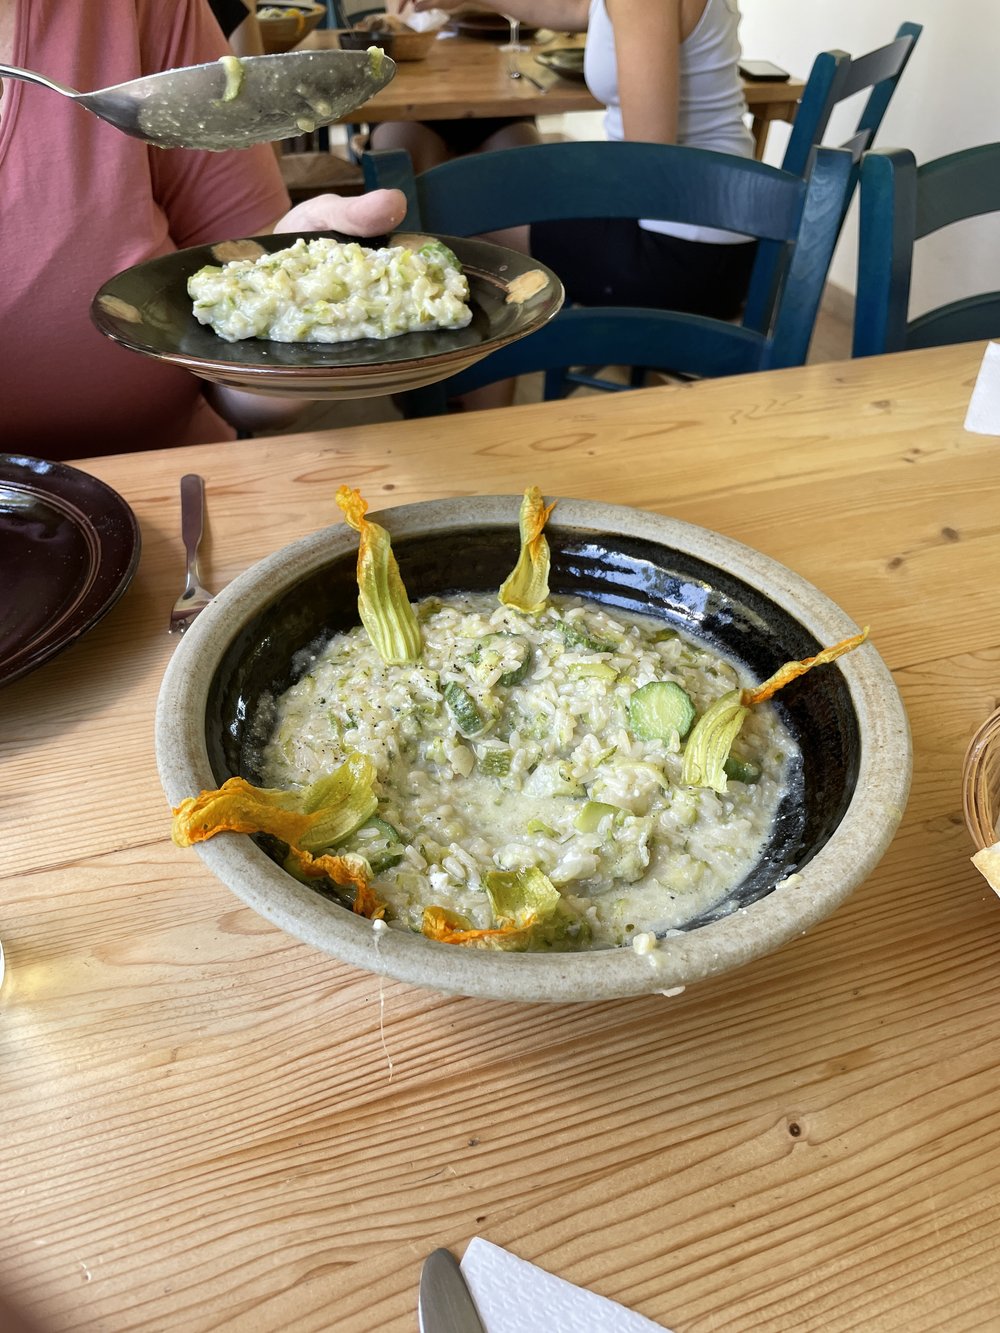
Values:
[(564, 60), (147, 309), (494, 27), (842, 806), (69, 546)]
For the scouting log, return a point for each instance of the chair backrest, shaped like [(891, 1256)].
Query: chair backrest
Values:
[(835, 76), (900, 204), (485, 192)]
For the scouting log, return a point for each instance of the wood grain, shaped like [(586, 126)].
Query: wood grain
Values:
[(207, 1125), (466, 77)]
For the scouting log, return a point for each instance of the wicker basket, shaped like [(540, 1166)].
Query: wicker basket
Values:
[(981, 782)]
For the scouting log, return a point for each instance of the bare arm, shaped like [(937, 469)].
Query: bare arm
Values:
[(647, 48), (565, 15)]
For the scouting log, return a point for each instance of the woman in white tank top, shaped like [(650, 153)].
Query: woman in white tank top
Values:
[(667, 71)]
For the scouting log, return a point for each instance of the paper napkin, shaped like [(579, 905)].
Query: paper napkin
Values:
[(514, 1296), (423, 22), (983, 416)]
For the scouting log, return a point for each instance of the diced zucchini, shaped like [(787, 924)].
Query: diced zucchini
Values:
[(512, 653), (463, 709), (589, 818), (576, 636), (378, 842), (592, 671), (659, 710), (540, 826), (741, 770), (494, 760)]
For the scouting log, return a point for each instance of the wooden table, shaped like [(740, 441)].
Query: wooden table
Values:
[(468, 77), (200, 1128)]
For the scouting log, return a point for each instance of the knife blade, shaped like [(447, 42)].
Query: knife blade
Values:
[(445, 1304)]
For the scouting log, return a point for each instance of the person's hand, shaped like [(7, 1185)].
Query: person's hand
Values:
[(364, 215)]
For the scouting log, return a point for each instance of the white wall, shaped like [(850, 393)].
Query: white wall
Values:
[(948, 98)]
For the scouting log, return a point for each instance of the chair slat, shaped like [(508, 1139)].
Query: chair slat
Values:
[(488, 191), (902, 203), (834, 77)]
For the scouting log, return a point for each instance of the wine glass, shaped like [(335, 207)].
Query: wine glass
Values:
[(515, 43)]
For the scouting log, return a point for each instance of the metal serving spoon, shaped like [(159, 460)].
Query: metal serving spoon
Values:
[(233, 102)]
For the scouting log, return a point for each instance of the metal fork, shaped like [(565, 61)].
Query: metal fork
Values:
[(195, 596), (516, 73)]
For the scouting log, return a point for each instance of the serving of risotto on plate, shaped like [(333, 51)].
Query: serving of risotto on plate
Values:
[(327, 291)]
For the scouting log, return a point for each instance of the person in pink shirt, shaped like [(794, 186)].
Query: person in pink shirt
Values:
[(80, 201)]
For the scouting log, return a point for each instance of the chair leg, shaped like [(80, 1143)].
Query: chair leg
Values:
[(429, 401)]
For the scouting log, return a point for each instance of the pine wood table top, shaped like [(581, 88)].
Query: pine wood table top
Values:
[(206, 1125), (469, 77)]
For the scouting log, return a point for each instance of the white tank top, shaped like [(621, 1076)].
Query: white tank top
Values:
[(712, 105)]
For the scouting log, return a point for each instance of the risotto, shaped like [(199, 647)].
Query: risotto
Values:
[(327, 291), (549, 741)]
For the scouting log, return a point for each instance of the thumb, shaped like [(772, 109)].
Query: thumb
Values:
[(363, 215)]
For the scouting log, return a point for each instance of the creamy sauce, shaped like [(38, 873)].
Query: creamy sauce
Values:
[(554, 777), (321, 290)]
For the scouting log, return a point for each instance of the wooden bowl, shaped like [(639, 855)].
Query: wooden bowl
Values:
[(410, 45), (280, 33), (406, 44)]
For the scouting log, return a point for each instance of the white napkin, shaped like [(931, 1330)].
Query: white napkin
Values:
[(419, 22), (514, 1296), (983, 416)]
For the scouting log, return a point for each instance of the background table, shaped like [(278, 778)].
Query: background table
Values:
[(205, 1125), (469, 77)]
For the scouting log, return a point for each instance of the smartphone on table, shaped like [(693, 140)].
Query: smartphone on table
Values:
[(762, 71)]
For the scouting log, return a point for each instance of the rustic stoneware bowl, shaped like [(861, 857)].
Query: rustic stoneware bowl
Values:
[(848, 720)]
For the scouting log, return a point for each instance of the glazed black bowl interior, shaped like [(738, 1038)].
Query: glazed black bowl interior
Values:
[(630, 574)]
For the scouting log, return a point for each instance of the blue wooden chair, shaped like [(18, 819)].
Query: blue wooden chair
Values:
[(902, 203), (485, 192), (835, 76)]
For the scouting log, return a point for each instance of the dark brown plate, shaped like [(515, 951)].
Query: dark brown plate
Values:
[(566, 61), (69, 546), (494, 27), (147, 309)]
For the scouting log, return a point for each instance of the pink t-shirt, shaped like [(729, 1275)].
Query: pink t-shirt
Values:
[(79, 201)]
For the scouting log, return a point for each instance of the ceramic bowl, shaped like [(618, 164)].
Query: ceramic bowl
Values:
[(281, 32), (848, 721), (360, 39)]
